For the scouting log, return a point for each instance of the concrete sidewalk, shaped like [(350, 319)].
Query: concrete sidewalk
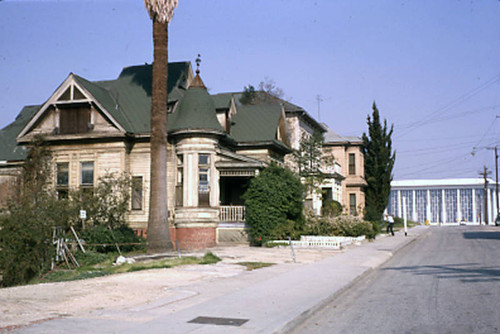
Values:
[(269, 300)]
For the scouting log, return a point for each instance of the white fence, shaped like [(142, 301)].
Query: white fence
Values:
[(322, 242), (232, 213)]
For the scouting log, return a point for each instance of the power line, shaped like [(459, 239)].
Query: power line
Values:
[(437, 149), (433, 139), (486, 132), (435, 164), (456, 115), (464, 97)]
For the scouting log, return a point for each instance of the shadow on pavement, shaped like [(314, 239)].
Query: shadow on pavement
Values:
[(482, 235), (465, 272)]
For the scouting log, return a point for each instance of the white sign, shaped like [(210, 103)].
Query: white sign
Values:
[(83, 214)]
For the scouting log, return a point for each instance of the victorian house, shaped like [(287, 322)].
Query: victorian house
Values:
[(216, 145)]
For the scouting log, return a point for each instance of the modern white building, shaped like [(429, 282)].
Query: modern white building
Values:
[(444, 201)]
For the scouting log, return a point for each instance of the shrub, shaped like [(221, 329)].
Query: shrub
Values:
[(399, 222), (317, 225), (274, 202), (108, 204), (331, 208), (103, 238), (343, 225), (377, 228), (90, 258), (26, 225), (26, 248)]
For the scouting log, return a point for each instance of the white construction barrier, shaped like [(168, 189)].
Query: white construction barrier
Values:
[(321, 241)]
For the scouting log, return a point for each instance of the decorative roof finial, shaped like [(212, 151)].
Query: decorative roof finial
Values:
[(198, 61)]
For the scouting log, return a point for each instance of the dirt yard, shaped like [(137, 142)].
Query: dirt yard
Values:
[(29, 304)]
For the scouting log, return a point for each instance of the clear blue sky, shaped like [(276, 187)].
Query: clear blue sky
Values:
[(433, 67)]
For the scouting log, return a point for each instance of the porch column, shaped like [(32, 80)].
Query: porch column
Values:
[(459, 207), (190, 180), (214, 183)]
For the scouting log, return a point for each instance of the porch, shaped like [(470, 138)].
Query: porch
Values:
[(232, 213)]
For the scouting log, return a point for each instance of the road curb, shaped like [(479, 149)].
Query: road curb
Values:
[(294, 323)]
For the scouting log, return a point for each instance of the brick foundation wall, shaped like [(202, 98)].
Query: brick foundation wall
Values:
[(189, 238), (196, 237)]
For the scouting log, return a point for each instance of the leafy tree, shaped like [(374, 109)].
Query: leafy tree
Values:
[(160, 12), (268, 92), (249, 95), (109, 202), (309, 159), (274, 202), (26, 223), (379, 162), (272, 91)]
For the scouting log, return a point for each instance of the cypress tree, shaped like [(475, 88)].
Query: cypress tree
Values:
[(379, 162)]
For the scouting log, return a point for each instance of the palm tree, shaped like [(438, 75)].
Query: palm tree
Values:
[(161, 12)]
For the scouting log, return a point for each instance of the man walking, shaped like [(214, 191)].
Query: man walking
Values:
[(390, 224)]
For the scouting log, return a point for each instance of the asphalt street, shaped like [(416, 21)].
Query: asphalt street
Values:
[(447, 282)]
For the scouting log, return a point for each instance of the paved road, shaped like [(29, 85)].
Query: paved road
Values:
[(448, 282)]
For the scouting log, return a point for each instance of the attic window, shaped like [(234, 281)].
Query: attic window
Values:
[(66, 96), (72, 93), (77, 94), (170, 108)]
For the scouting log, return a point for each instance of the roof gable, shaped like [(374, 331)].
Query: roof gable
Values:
[(75, 90), (132, 92), (256, 123), (124, 102)]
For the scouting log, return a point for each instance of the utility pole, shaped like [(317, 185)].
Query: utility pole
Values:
[(496, 172), (485, 174)]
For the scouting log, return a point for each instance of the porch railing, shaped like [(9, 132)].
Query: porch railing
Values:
[(232, 213)]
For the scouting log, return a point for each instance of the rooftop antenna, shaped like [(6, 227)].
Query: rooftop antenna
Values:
[(319, 100)]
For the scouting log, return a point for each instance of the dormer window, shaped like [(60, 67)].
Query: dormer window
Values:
[(74, 111)]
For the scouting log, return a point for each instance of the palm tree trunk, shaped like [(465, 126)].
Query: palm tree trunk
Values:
[(158, 234)]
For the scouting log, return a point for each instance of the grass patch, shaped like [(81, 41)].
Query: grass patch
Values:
[(98, 265), (272, 244), (210, 258), (255, 265)]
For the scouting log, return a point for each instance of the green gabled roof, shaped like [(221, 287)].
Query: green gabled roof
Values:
[(131, 92), (103, 96), (253, 124), (196, 111), (223, 100), (256, 123), (9, 150)]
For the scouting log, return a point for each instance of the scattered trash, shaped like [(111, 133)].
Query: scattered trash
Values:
[(122, 259)]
